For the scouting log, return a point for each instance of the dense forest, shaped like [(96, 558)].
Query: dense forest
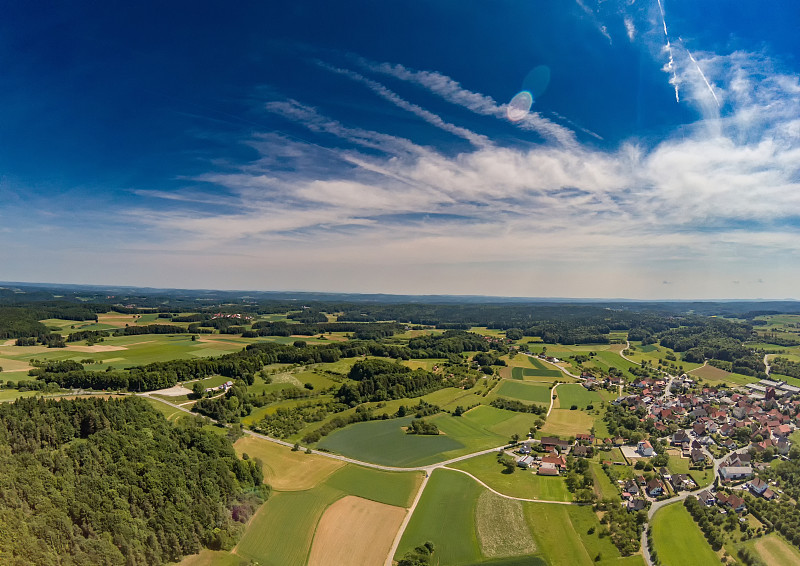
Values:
[(90, 481)]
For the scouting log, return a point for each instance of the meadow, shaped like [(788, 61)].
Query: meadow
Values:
[(569, 394), (524, 391), (773, 549), (522, 483), (567, 423), (676, 536)]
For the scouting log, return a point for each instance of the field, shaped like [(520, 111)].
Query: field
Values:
[(525, 391), (676, 536), (522, 373), (445, 516), (385, 442), (575, 394), (391, 488), (603, 486), (281, 531), (501, 526), (773, 549), (521, 483), (286, 470), (561, 533), (347, 525), (567, 423)]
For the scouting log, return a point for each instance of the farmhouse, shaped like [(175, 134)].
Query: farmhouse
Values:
[(550, 442)]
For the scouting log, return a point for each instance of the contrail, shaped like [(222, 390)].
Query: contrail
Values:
[(699, 70), (671, 64)]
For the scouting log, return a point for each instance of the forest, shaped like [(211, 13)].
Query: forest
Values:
[(94, 481)]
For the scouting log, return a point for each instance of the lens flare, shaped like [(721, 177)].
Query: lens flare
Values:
[(519, 106)]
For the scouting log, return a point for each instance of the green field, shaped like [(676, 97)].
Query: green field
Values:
[(676, 536), (603, 486), (385, 442), (524, 484), (445, 516), (575, 394), (524, 391), (678, 465), (280, 533), (392, 488), (522, 373)]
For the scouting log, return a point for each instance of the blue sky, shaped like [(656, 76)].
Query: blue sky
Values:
[(368, 146)]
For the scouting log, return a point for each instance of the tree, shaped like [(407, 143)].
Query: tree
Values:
[(508, 463), (197, 390)]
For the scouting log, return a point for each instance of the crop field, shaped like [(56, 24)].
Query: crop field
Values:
[(213, 558), (392, 488), (385, 442), (567, 423), (284, 469), (525, 391), (501, 526), (575, 394), (347, 525), (676, 536), (521, 483), (445, 516), (281, 531), (501, 422), (773, 549), (522, 373), (715, 375)]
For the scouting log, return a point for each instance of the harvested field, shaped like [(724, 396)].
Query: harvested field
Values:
[(347, 525), (711, 373), (567, 423), (773, 549), (285, 470), (96, 348), (501, 525)]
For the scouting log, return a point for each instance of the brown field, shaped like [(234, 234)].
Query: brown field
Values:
[(14, 365), (355, 531), (567, 423), (710, 373), (775, 550), (97, 348), (213, 558), (285, 470)]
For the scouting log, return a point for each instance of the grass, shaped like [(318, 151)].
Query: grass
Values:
[(676, 536), (445, 516), (168, 411), (281, 531), (570, 394), (603, 486), (501, 526), (567, 423), (525, 391), (392, 488), (519, 484), (773, 549), (556, 536), (385, 442), (678, 465), (213, 558)]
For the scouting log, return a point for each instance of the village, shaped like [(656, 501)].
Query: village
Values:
[(726, 437)]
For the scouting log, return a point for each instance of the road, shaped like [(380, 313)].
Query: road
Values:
[(766, 363)]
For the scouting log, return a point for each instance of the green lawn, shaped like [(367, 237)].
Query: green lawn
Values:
[(521, 483), (679, 465), (525, 391), (576, 394), (676, 536), (445, 516), (392, 488), (385, 442)]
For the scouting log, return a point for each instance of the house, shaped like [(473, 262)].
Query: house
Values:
[(758, 486), (525, 462), (635, 505), (728, 473), (706, 498), (645, 448), (549, 442), (654, 488), (588, 438), (682, 481), (557, 461), (698, 456), (733, 501), (547, 470), (631, 487), (581, 451), (680, 437)]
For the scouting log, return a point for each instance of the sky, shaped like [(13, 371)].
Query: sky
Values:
[(536, 148)]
